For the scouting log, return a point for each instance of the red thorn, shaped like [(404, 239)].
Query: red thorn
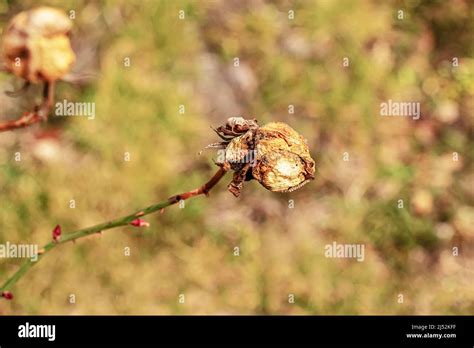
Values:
[(139, 223), (8, 295), (57, 233), (162, 210), (140, 213)]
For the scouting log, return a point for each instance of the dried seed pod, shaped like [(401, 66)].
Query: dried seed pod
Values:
[(283, 162), (275, 155), (36, 45)]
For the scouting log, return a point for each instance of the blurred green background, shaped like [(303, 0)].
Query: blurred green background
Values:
[(283, 62)]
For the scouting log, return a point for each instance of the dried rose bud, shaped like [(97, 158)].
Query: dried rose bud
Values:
[(57, 233), (7, 295), (36, 45), (139, 223), (275, 155)]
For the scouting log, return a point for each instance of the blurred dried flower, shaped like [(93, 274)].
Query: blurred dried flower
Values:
[(36, 45)]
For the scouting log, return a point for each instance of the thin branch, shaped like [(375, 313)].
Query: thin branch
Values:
[(123, 221), (31, 117), (27, 119)]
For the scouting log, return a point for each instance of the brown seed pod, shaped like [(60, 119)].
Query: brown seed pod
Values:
[(36, 45), (275, 155), (283, 162)]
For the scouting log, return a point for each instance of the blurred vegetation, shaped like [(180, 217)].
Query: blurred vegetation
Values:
[(283, 62)]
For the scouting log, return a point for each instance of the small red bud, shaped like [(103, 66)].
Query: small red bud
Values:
[(139, 223), (57, 233), (8, 295)]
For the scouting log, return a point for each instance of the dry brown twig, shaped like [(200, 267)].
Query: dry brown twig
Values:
[(31, 117)]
